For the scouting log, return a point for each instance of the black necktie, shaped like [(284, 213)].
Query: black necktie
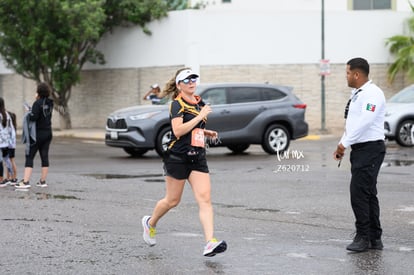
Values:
[(349, 102)]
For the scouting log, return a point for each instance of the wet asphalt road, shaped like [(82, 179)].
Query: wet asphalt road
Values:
[(286, 215)]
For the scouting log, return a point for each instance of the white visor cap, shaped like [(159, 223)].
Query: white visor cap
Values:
[(185, 74)]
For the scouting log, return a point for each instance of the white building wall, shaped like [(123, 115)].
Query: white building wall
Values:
[(277, 5), (205, 37), (293, 5), (259, 35)]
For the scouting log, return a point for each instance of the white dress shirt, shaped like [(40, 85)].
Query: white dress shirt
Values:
[(365, 121)]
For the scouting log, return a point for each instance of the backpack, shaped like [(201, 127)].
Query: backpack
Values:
[(5, 132)]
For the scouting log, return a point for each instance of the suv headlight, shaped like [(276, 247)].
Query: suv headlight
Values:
[(143, 116)]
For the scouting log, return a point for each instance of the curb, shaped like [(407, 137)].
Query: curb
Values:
[(318, 137)]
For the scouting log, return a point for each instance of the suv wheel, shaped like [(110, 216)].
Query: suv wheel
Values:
[(238, 148), (276, 138), (404, 133), (135, 152), (163, 138)]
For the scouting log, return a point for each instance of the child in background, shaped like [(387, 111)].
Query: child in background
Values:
[(7, 137), (11, 171)]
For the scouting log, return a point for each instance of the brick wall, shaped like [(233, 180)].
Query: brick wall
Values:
[(103, 91)]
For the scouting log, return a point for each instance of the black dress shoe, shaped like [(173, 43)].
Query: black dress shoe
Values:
[(376, 244), (359, 244)]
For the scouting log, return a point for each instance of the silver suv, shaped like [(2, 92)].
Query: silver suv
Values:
[(399, 117), (243, 114)]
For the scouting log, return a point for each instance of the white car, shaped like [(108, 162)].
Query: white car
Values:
[(399, 117)]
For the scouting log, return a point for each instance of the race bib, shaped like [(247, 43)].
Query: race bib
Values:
[(197, 137)]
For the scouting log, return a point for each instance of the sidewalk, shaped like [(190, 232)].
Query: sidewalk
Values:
[(99, 134), (85, 133)]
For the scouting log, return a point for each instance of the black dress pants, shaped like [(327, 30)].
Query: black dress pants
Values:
[(366, 160)]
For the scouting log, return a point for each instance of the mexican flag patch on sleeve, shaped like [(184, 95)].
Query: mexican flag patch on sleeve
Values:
[(370, 107)]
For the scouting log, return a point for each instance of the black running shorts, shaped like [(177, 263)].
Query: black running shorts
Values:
[(178, 167), (8, 152), (12, 152)]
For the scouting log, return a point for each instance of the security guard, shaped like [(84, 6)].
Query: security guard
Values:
[(364, 133)]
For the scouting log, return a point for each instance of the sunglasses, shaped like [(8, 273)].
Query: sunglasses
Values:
[(188, 80)]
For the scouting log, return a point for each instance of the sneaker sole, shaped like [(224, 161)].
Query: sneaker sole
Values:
[(219, 249)]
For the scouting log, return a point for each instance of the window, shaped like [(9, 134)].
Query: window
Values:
[(215, 96), (272, 94), (371, 4), (244, 94), (404, 96)]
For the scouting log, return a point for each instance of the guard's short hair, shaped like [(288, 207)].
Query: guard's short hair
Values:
[(360, 64)]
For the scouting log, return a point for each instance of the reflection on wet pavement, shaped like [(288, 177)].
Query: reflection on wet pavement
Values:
[(120, 176), (216, 268), (388, 163), (370, 262), (46, 196), (398, 156), (270, 210)]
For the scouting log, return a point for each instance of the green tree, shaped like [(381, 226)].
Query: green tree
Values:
[(402, 47), (51, 40)]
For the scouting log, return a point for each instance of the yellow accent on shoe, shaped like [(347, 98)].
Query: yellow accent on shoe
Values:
[(213, 247), (152, 231)]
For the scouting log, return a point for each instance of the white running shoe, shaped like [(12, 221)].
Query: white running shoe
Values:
[(41, 183), (13, 182), (4, 183), (213, 247), (149, 231), (22, 185)]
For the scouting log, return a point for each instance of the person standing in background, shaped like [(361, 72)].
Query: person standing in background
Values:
[(154, 94), (364, 133), (11, 172), (7, 135), (40, 118)]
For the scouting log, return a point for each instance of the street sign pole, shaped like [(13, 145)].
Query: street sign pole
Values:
[(323, 74)]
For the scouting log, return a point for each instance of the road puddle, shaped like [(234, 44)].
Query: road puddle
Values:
[(370, 262), (389, 163), (246, 208), (121, 176), (47, 196), (263, 210)]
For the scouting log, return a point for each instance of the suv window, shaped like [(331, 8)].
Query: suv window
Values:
[(244, 94), (404, 96), (215, 96), (272, 94)]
